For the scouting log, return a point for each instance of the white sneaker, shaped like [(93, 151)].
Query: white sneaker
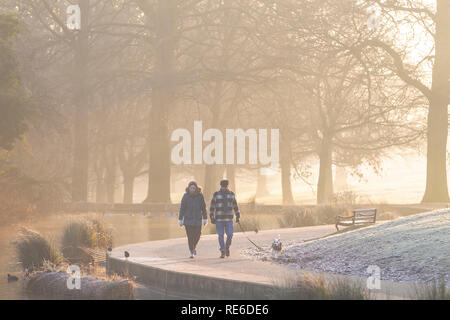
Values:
[(191, 256)]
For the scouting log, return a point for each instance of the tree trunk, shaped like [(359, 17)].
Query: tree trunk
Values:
[(100, 190), (199, 175), (110, 160), (341, 179), (213, 172), (80, 148), (110, 183), (436, 186), (128, 188), (213, 175), (285, 163), (162, 101), (210, 181), (231, 176), (159, 167), (261, 185), (325, 183)]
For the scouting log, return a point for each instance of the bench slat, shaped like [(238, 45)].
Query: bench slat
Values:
[(364, 210), (364, 215), (360, 216)]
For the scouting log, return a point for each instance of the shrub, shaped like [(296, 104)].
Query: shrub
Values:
[(322, 214), (249, 224), (326, 214), (437, 291), (306, 287), (22, 196), (87, 233), (292, 218), (103, 234), (33, 250)]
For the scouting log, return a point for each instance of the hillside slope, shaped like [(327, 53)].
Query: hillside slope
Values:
[(413, 249)]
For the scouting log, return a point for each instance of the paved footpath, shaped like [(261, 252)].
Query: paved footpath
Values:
[(172, 255)]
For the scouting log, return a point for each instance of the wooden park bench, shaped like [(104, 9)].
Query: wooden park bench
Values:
[(360, 216)]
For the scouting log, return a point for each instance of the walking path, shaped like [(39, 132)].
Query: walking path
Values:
[(164, 267)]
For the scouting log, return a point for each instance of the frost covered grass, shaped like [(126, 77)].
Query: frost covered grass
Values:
[(54, 284), (409, 249)]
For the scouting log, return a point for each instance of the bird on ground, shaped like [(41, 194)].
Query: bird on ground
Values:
[(12, 278), (126, 254)]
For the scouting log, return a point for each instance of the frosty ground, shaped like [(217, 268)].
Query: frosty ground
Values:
[(410, 249)]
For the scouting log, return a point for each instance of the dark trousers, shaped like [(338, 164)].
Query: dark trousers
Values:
[(193, 234)]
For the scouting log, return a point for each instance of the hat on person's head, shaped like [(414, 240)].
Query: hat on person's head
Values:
[(224, 183), (193, 183)]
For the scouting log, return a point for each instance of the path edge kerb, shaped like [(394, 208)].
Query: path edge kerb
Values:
[(189, 285)]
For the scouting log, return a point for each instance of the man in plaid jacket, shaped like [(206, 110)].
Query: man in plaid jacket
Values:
[(223, 203)]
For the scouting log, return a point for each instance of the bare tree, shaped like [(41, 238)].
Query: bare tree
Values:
[(434, 20)]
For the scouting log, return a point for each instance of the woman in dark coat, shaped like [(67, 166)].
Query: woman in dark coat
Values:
[(193, 215)]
